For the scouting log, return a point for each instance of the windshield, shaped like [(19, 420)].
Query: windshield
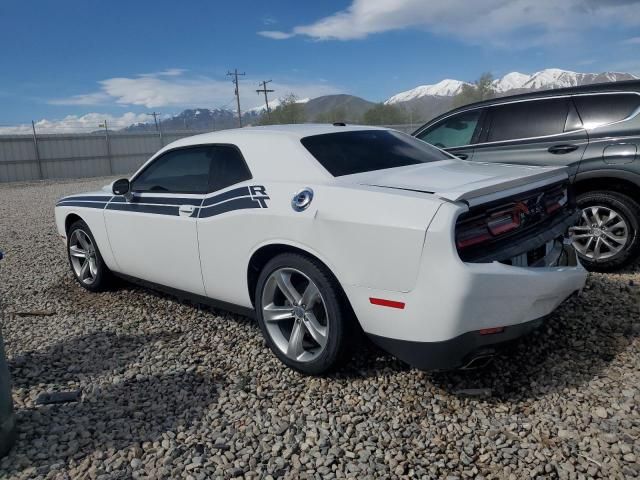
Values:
[(346, 153)]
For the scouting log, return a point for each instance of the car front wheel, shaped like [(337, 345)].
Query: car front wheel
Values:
[(85, 259), (607, 235), (302, 313)]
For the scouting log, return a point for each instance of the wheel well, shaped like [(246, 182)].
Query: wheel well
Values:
[(70, 220), (261, 256), (607, 183)]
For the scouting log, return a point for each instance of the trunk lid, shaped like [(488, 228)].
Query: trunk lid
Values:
[(456, 180)]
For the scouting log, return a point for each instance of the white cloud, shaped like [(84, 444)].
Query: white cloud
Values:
[(632, 41), (74, 123), (96, 98), (526, 22), (275, 34), (173, 88)]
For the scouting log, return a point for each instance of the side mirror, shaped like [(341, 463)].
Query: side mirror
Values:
[(122, 187)]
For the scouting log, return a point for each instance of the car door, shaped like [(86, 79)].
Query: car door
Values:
[(614, 132), (153, 234), (456, 133), (225, 225), (533, 132)]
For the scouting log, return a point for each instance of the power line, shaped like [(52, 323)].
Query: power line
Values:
[(265, 91), (237, 92)]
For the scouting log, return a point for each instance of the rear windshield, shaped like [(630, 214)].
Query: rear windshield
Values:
[(346, 153)]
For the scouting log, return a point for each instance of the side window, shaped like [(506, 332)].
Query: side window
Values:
[(454, 131), (184, 170), (228, 167), (535, 118), (598, 110)]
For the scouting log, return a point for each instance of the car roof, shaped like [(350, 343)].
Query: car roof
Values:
[(623, 86), (296, 131)]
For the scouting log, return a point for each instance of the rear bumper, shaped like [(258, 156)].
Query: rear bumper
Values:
[(461, 351)]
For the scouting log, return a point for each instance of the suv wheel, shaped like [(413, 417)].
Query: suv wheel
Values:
[(607, 235), (302, 313), (85, 259)]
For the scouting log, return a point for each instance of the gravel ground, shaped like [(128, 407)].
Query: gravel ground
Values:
[(170, 390)]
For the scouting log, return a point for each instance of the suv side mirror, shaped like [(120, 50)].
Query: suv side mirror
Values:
[(121, 187)]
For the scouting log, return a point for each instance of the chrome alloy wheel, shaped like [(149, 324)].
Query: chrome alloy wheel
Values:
[(601, 233), (83, 257), (295, 314)]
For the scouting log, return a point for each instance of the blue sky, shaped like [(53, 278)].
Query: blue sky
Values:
[(77, 57)]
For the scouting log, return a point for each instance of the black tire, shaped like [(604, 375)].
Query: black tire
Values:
[(339, 317), (103, 276), (629, 210)]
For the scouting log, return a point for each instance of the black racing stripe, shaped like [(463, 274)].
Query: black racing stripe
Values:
[(160, 200), (86, 204), (235, 204), (132, 207), (236, 192), (96, 198)]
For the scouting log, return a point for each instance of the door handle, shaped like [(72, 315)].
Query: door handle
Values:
[(186, 210), (562, 149)]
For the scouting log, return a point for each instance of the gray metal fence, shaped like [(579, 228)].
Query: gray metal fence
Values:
[(25, 158)]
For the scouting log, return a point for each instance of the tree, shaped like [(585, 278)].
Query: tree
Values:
[(337, 114), (289, 111), (481, 89), (384, 114)]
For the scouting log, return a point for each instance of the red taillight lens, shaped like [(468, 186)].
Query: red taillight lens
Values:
[(504, 222), (466, 236), (475, 232)]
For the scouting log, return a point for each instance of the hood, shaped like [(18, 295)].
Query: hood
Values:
[(461, 180)]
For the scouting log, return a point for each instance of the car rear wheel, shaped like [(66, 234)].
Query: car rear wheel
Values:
[(302, 313), (607, 235), (85, 259)]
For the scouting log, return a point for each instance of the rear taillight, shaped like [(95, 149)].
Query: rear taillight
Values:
[(503, 222), (470, 235), (473, 230), (556, 200), (480, 230)]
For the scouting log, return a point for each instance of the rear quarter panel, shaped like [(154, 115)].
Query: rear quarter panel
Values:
[(366, 236)]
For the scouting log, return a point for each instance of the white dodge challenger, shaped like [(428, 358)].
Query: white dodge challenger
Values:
[(324, 231)]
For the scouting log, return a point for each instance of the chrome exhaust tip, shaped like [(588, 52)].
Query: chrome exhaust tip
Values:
[(479, 361)]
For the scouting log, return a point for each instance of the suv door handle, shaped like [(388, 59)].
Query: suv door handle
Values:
[(186, 210), (562, 149)]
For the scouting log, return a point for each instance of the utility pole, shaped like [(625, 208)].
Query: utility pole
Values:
[(235, 74), (158, 126), (35, 145), (266, 100), (106, 138)]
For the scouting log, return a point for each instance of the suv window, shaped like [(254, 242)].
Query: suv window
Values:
[(454, 131), (228, 167), (607, 108), (184, 170), (346, 153), (535, 118)]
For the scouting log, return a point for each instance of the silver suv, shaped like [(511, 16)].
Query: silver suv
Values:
[(593, 129)]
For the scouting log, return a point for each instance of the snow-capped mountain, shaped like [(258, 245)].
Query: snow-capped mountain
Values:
[(444, 88), (544, 79), (510, 81), (556, 78)]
